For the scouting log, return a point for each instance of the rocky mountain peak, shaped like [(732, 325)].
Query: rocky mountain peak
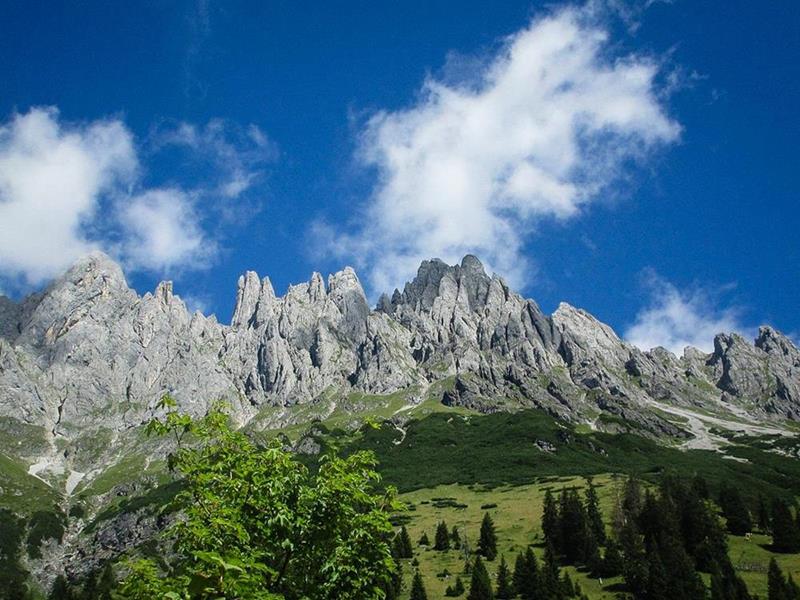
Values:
[(467, 282), (775, 343), (90, 353)]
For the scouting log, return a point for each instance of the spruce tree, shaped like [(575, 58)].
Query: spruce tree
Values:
[(785, 534), (763, 515), (60, 590), (700, 487), (401, 548), (458, 588), (394, 586), (481, 586), (423, 540), (551, 523), (792, 590), (593, 514), (455, 538), (776, 583), (549, 579), (487, 542), (526, 575), (612, 564), (418, 588), (107, 583), (576, 539), (442, 537), (505, 588), (518, 577), (735, 511)]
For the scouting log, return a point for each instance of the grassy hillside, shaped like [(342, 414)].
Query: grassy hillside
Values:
[(517, 516), (516, 449)]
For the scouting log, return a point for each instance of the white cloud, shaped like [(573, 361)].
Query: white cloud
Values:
[(67, 189), (675, 319), (197, 303), (541, 131), (162, 230), (51, 179)]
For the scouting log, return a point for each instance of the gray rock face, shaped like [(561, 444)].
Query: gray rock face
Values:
[(89, 354)]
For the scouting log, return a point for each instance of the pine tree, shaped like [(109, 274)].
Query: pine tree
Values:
[(455, 538), (60, 590), (700, 488), (785, 534), (394, 586), (593, 514), (735, 511), (792, 590), (549, 580), (612, 564), (776, 583), (107, 583), (505, 588), (418, 588), (458, 588), (526, 575), (442, 537), (487, 542), (567, 587), (551, 522), (519, 575), (763, 514), (481, 586), (423, 540), (576, 538), (401, 548)]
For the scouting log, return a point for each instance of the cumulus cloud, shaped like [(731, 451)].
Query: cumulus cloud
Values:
[(538, 132), (161, 230), (51, 179), (675, 319), (67, 189)]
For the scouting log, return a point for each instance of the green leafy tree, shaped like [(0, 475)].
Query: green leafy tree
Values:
[(505, 587), (401, 547), (418, 588), (442, 537), (256, 524), (481, 586), (487, 541)]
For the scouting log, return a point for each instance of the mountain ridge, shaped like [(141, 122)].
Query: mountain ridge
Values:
[(89, 356)]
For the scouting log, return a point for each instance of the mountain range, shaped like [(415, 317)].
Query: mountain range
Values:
[(85, 363), (89, 359)]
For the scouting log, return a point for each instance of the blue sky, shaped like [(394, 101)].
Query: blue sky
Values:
[(638, 160)]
